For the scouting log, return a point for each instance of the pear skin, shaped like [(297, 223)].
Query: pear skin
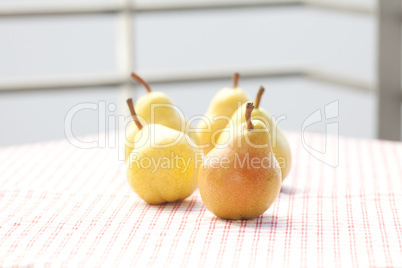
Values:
[(131, 131), (220, 110), (163, 165), (279, 143), (243, 179), (157, 108)]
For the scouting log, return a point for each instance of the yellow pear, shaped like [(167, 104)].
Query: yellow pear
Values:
[(279, 143), (242, 179), (163, 165), (221, 108), (156, 108)]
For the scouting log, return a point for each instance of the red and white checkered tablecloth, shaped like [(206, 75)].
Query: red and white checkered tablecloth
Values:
[(70, 207)]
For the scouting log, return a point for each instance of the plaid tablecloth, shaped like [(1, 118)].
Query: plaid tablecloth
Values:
[(65, 206)]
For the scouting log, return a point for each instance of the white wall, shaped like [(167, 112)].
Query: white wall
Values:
[(51, 45)]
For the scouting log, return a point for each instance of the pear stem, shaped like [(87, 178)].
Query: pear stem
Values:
[(235, 79), (141, 81), (133, 113), (249, 110), (258, 98)]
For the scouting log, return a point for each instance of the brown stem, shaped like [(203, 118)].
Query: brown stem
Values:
[(235, 79), (258, 98), (249, 110), (141, 81), (133, 114)]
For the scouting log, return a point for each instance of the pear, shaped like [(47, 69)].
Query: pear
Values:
[(156, 108), (243, 179), (163, 165), (279, 143), (221, 108)]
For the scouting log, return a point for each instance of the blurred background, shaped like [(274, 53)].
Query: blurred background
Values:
[(57, 54)]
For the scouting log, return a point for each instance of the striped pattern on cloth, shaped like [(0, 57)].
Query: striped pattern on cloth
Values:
[(70, 207)]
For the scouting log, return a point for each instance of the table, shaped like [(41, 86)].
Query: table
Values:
[(65, 206)]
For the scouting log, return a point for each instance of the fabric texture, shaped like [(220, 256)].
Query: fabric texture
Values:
[(70, 207)]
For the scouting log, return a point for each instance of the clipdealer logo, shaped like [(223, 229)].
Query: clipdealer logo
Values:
[(111, 130)]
